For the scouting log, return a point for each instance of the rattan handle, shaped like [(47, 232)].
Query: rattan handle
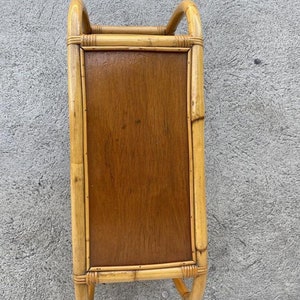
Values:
[(190, 10), (78, 19)]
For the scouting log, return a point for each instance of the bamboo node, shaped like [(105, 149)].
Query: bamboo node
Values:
[(162, 30), (201, 270), (196, 41), (89, 278), (183, 41), (189, 271), (193, 271), (197, 118), (79, 279), (74, 40), (188, 41), (96, 28), (92, 277), (88, 39)]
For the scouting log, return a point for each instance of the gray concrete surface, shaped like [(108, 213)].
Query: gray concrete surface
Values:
[(252, 148)]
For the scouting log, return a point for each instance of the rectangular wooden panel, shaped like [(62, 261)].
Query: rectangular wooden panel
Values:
[(138, 157)]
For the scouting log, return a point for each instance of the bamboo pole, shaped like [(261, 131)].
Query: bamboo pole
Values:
[(134, 40), (138, 275), (184, 264), (133, 48), (191, 158), (153, 30), (181, 287), (198, 288), (78, 23), (91, 291), (198, 111), (85, 160), (197, 117), (197, 291), (198, 147)]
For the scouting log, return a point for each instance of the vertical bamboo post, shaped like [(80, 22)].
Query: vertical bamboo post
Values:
[(78, 23), (197, 108), (198, 151), (91, 291), (198, 288), (189, 9), (198, 112)]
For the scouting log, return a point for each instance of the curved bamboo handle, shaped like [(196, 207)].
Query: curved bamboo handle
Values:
[(78, 19), (189, 9)]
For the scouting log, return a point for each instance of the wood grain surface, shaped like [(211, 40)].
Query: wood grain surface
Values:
[(138, 164)]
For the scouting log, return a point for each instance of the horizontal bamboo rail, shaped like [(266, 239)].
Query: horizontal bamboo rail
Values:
[(99, 29), (135, 48), (186, 265), (135, 40), (139, 275)]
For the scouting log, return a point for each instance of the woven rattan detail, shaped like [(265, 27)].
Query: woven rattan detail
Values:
[(189, 271), (96, 28)]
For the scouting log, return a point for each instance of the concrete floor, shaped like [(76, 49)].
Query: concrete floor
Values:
[(252, 85)]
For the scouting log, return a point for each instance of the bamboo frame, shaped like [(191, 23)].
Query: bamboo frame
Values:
[(78, 23), (191, 178), (128, 48), (135, 40), (82, 36)]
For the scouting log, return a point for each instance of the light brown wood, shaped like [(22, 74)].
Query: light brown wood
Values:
[(139, 41)]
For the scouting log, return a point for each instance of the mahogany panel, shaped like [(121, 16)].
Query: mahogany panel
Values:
[(138, 164)]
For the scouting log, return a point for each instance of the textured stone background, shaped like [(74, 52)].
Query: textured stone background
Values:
[(252, 148)]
